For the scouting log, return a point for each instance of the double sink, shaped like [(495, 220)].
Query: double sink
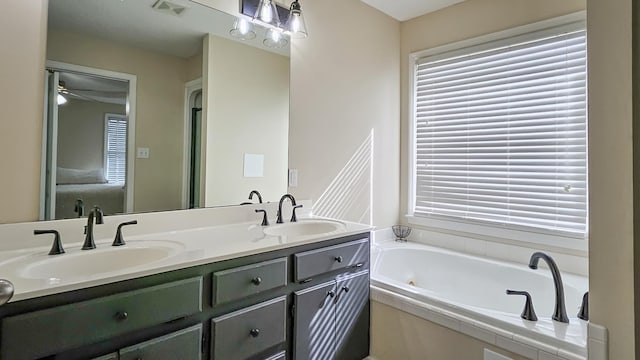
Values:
[(76, 265)]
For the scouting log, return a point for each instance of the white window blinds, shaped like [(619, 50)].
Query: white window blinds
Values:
[(500, 134), (115, 148)]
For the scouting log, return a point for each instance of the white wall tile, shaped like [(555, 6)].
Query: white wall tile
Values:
[(536, 344), (543, 355), (597, 332), (597, 350), (490, 355), (478, 333), (516, 347)]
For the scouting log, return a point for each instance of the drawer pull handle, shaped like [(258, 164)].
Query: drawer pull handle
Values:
[(257, 280), (254, 332), (338, 259), (121, 315)]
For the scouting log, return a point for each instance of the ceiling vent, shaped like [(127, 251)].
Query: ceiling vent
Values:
[(169, 7)]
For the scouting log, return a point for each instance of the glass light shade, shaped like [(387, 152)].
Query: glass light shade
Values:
[(275, 38), (243, 30), (295, 23), (267, 12), (61, 99)]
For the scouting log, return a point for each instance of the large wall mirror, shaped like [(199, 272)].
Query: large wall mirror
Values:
[(153, 105)]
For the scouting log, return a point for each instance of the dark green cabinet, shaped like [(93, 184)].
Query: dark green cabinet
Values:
[(306, 302)]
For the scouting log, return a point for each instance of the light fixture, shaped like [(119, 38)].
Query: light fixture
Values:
[(295, 23), (274, 38), (243, 30), (267, 12), (61, 99)]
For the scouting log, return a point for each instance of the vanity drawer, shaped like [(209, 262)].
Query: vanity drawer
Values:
[(45, 332), (184, 345), (315, 262), (248, 280), (249, 331)]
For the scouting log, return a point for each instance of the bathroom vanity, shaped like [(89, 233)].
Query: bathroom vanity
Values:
[(297, 300)]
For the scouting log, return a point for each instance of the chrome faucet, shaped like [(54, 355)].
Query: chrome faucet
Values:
[(560, 312), (95, 213), (256, 192), (282, 199)]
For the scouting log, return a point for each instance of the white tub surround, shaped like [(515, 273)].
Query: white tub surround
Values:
[(568, 260), (179, 239), (467, 294)]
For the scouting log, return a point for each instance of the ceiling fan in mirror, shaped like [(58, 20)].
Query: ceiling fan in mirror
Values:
[(90, 88)]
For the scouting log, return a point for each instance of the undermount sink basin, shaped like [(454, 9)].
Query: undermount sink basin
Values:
[(304, 228), (108, 259)]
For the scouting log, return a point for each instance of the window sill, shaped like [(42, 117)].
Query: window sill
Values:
[(505, 236)]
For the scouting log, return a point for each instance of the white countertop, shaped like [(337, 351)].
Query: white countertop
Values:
[(187, 247)]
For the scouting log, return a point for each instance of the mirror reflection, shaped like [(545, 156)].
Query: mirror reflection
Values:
[(154, 105)]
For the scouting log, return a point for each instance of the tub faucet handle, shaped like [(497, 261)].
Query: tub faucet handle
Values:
[(584, 308), (528, 313)]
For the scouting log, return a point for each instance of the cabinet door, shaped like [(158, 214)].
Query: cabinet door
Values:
[(314, 322), (352, 316), (184, 345)]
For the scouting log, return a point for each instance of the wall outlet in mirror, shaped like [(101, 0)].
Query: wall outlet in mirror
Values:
[(142, 153), (253, 165)]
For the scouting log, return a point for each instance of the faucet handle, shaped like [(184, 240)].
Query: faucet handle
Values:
[(56, 248), (294, 218), (584, 308), (99, 215), (119, 241), (528, 313), (265, 221)]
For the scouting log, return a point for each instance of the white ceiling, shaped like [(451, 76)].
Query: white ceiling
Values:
[(135, 23), (407, 9)]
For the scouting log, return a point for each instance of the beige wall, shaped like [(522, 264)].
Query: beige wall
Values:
[(246, 111), (345, 83), (611, 277), (81, 133), (23, 35), (194, 67), (399, 335), (159, 114)]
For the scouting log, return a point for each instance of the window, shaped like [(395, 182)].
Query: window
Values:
[(499, 135), (115, 148)]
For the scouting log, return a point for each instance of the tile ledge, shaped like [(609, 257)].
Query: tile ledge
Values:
[(416, 308)]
